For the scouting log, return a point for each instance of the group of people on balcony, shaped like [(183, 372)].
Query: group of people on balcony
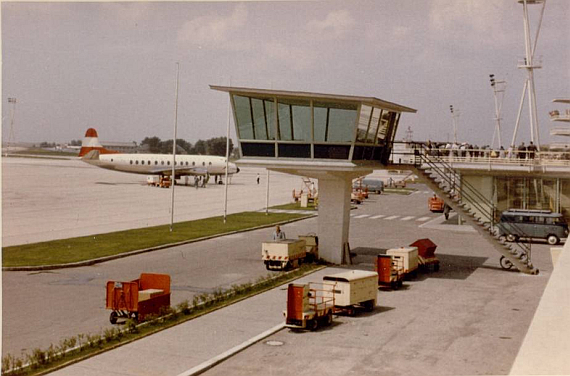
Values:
[(466, 150)]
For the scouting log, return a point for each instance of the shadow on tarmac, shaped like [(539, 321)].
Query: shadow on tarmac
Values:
[(451, 266)]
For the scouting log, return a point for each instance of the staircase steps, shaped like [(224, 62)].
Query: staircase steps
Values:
[(438, 180)]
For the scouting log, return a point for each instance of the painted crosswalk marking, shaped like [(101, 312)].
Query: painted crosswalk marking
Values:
[(422, 219), (407, 218), (392, 217), (362, 216), (378, 216)]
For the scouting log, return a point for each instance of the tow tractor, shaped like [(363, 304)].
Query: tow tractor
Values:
[(313, 304)]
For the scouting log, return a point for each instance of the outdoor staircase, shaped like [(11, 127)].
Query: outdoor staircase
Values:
[(475, 209)]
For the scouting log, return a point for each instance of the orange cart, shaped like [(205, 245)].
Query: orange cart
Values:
[(139, 298)]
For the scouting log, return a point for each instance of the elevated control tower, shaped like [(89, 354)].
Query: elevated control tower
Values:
[(332, 138)]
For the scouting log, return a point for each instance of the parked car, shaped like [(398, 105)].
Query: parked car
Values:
[(538, 224)]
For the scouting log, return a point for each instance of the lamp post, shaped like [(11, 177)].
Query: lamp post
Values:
[(12, 101), (174, 148), (499, 94), (454, 117)]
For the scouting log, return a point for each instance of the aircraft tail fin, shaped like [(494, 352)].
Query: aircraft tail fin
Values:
[(91, 142), (91, 155)]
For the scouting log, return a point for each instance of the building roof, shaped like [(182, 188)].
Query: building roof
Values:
[(371, 101)]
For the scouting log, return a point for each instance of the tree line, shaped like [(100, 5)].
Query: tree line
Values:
[(212, 146)]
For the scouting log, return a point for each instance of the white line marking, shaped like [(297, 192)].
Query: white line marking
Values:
[(392, 217), (362, 216), (407, 218), (378, 216), (200, 368), (422, 219)]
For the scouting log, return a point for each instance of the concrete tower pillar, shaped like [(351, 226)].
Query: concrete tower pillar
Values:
[(334, 216)]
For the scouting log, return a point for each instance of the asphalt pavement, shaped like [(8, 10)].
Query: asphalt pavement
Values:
[(468, 318)]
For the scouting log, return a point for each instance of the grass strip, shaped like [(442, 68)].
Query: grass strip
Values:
[(399, 191), (85, 248), (296, 206), (42, 362), (39, 151)]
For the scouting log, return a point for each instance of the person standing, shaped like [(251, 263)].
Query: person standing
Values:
[(531, 149), (278, 234), (257, 179)]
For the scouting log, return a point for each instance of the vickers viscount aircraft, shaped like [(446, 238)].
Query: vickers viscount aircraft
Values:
[(94, 153)]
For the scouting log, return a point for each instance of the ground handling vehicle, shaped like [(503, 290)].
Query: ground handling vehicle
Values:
[(139, 298), (283, 254), (309, 305), (426, 254), (435, 204), (353, 289), (408, 256), (313, 304), (390, 270)]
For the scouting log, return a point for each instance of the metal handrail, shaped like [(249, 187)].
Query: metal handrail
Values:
[(486, 208)]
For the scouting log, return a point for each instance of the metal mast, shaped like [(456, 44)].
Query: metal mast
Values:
[(499, 87), (454, 116), (12, 101), (530, 63), (174, 148)]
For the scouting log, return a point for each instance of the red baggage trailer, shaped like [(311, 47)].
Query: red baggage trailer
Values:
[(426, 254), (390, 271), (139, 298)]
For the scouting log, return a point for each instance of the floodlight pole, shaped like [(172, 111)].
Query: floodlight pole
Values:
[(498, 87), (12, 101), (267, 194), (174, 148), (227, 159), (454, 117)]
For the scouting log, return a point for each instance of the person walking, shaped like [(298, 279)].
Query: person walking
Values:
[(257, 179)]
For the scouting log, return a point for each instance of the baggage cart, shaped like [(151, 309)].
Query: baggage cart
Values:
[(408, 256), (283, 254), (390, 271), (354, 289), (309, 305), (138, 298), (426, 254)]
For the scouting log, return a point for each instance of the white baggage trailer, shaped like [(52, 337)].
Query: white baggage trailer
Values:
[(283, 254), (354, 288), (408, 257)]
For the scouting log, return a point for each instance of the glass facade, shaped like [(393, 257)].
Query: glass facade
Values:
[(530, 193), (312, 129)]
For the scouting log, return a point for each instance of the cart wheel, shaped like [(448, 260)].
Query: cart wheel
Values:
[(369, 305), (350, 311), (329, 318), (113, 317), (436, 267), (400, 283), (505, 263), (313, 324)]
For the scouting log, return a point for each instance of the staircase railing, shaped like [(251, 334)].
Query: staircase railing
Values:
[(467, 196)]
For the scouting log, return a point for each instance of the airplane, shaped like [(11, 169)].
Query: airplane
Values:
[(93, 153)]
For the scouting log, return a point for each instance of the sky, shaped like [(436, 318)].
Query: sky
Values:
[(112, 65)]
